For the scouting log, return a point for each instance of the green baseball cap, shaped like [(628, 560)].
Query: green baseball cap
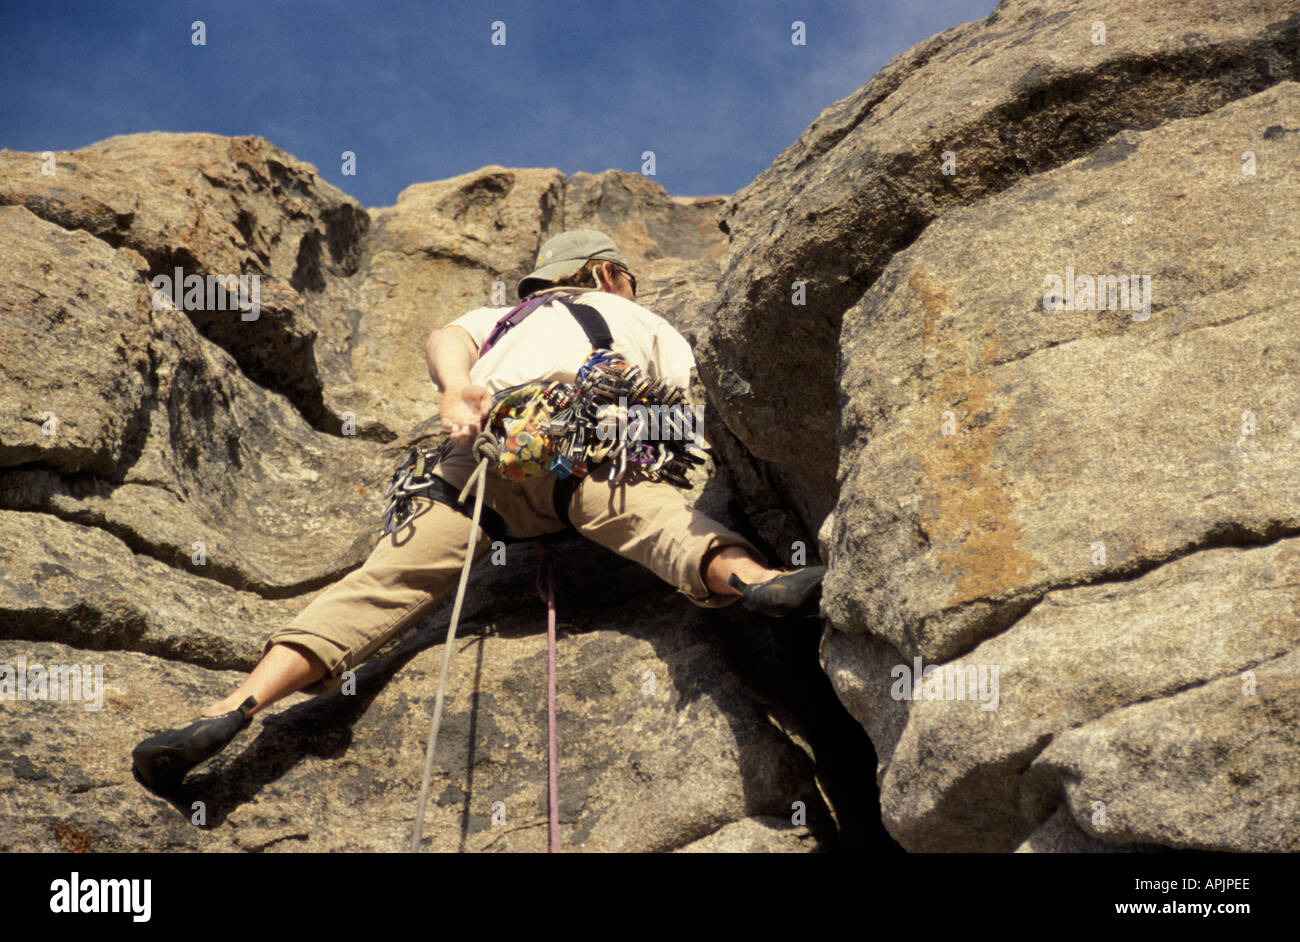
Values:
[(564, 254)]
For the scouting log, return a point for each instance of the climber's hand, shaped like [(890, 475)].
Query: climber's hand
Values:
[(463, 412)]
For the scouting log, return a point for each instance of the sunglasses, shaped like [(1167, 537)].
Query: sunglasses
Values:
[(630, 276)]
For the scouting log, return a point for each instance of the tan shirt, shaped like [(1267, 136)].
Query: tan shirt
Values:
[(550, 345)]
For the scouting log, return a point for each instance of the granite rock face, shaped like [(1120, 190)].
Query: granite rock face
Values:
[(153, 433), (661, 746), (1077, 506), (211, 205)]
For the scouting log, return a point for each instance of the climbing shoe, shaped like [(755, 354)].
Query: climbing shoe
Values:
[(797, 592), (162, 760)]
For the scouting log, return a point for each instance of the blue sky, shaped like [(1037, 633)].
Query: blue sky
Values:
[(418, 91)]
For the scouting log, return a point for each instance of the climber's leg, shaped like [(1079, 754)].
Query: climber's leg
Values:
[(406, 573), (651, 523), (283, 669), (722, 562)]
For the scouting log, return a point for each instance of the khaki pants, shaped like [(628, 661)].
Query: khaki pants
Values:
[(418, 565)]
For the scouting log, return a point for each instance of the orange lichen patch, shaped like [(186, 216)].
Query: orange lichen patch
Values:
[(74, 841), (964, 505)]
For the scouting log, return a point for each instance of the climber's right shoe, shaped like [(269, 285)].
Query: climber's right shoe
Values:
[(162, 760), (796, 592)]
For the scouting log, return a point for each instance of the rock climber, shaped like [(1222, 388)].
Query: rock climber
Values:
[(416, 566)]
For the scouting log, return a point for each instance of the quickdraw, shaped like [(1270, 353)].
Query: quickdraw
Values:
[(412, 478)]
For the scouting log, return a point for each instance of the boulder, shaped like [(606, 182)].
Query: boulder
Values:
[(219, 206), (1098, 503), (1208, 768), (158, 436), (994, 449), (89, 338)]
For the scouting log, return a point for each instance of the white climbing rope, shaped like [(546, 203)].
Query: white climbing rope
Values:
[(476, 481)]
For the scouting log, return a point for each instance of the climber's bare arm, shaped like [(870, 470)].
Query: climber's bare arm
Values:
[(451, 352)]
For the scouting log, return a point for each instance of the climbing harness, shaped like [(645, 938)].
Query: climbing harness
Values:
[(411, 480), (414, 477)]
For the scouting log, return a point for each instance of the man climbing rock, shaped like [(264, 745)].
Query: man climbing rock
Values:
[(581, 287)]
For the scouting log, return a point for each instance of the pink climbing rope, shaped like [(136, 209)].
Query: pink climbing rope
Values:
[(546, 561)]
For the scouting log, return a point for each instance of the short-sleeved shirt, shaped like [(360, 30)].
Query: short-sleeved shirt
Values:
[(549, 346)]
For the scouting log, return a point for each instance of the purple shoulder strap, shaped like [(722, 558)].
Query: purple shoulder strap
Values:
[(514, 317)]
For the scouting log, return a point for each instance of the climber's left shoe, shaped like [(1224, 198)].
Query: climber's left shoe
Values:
[(793, 593), (162, 760)]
